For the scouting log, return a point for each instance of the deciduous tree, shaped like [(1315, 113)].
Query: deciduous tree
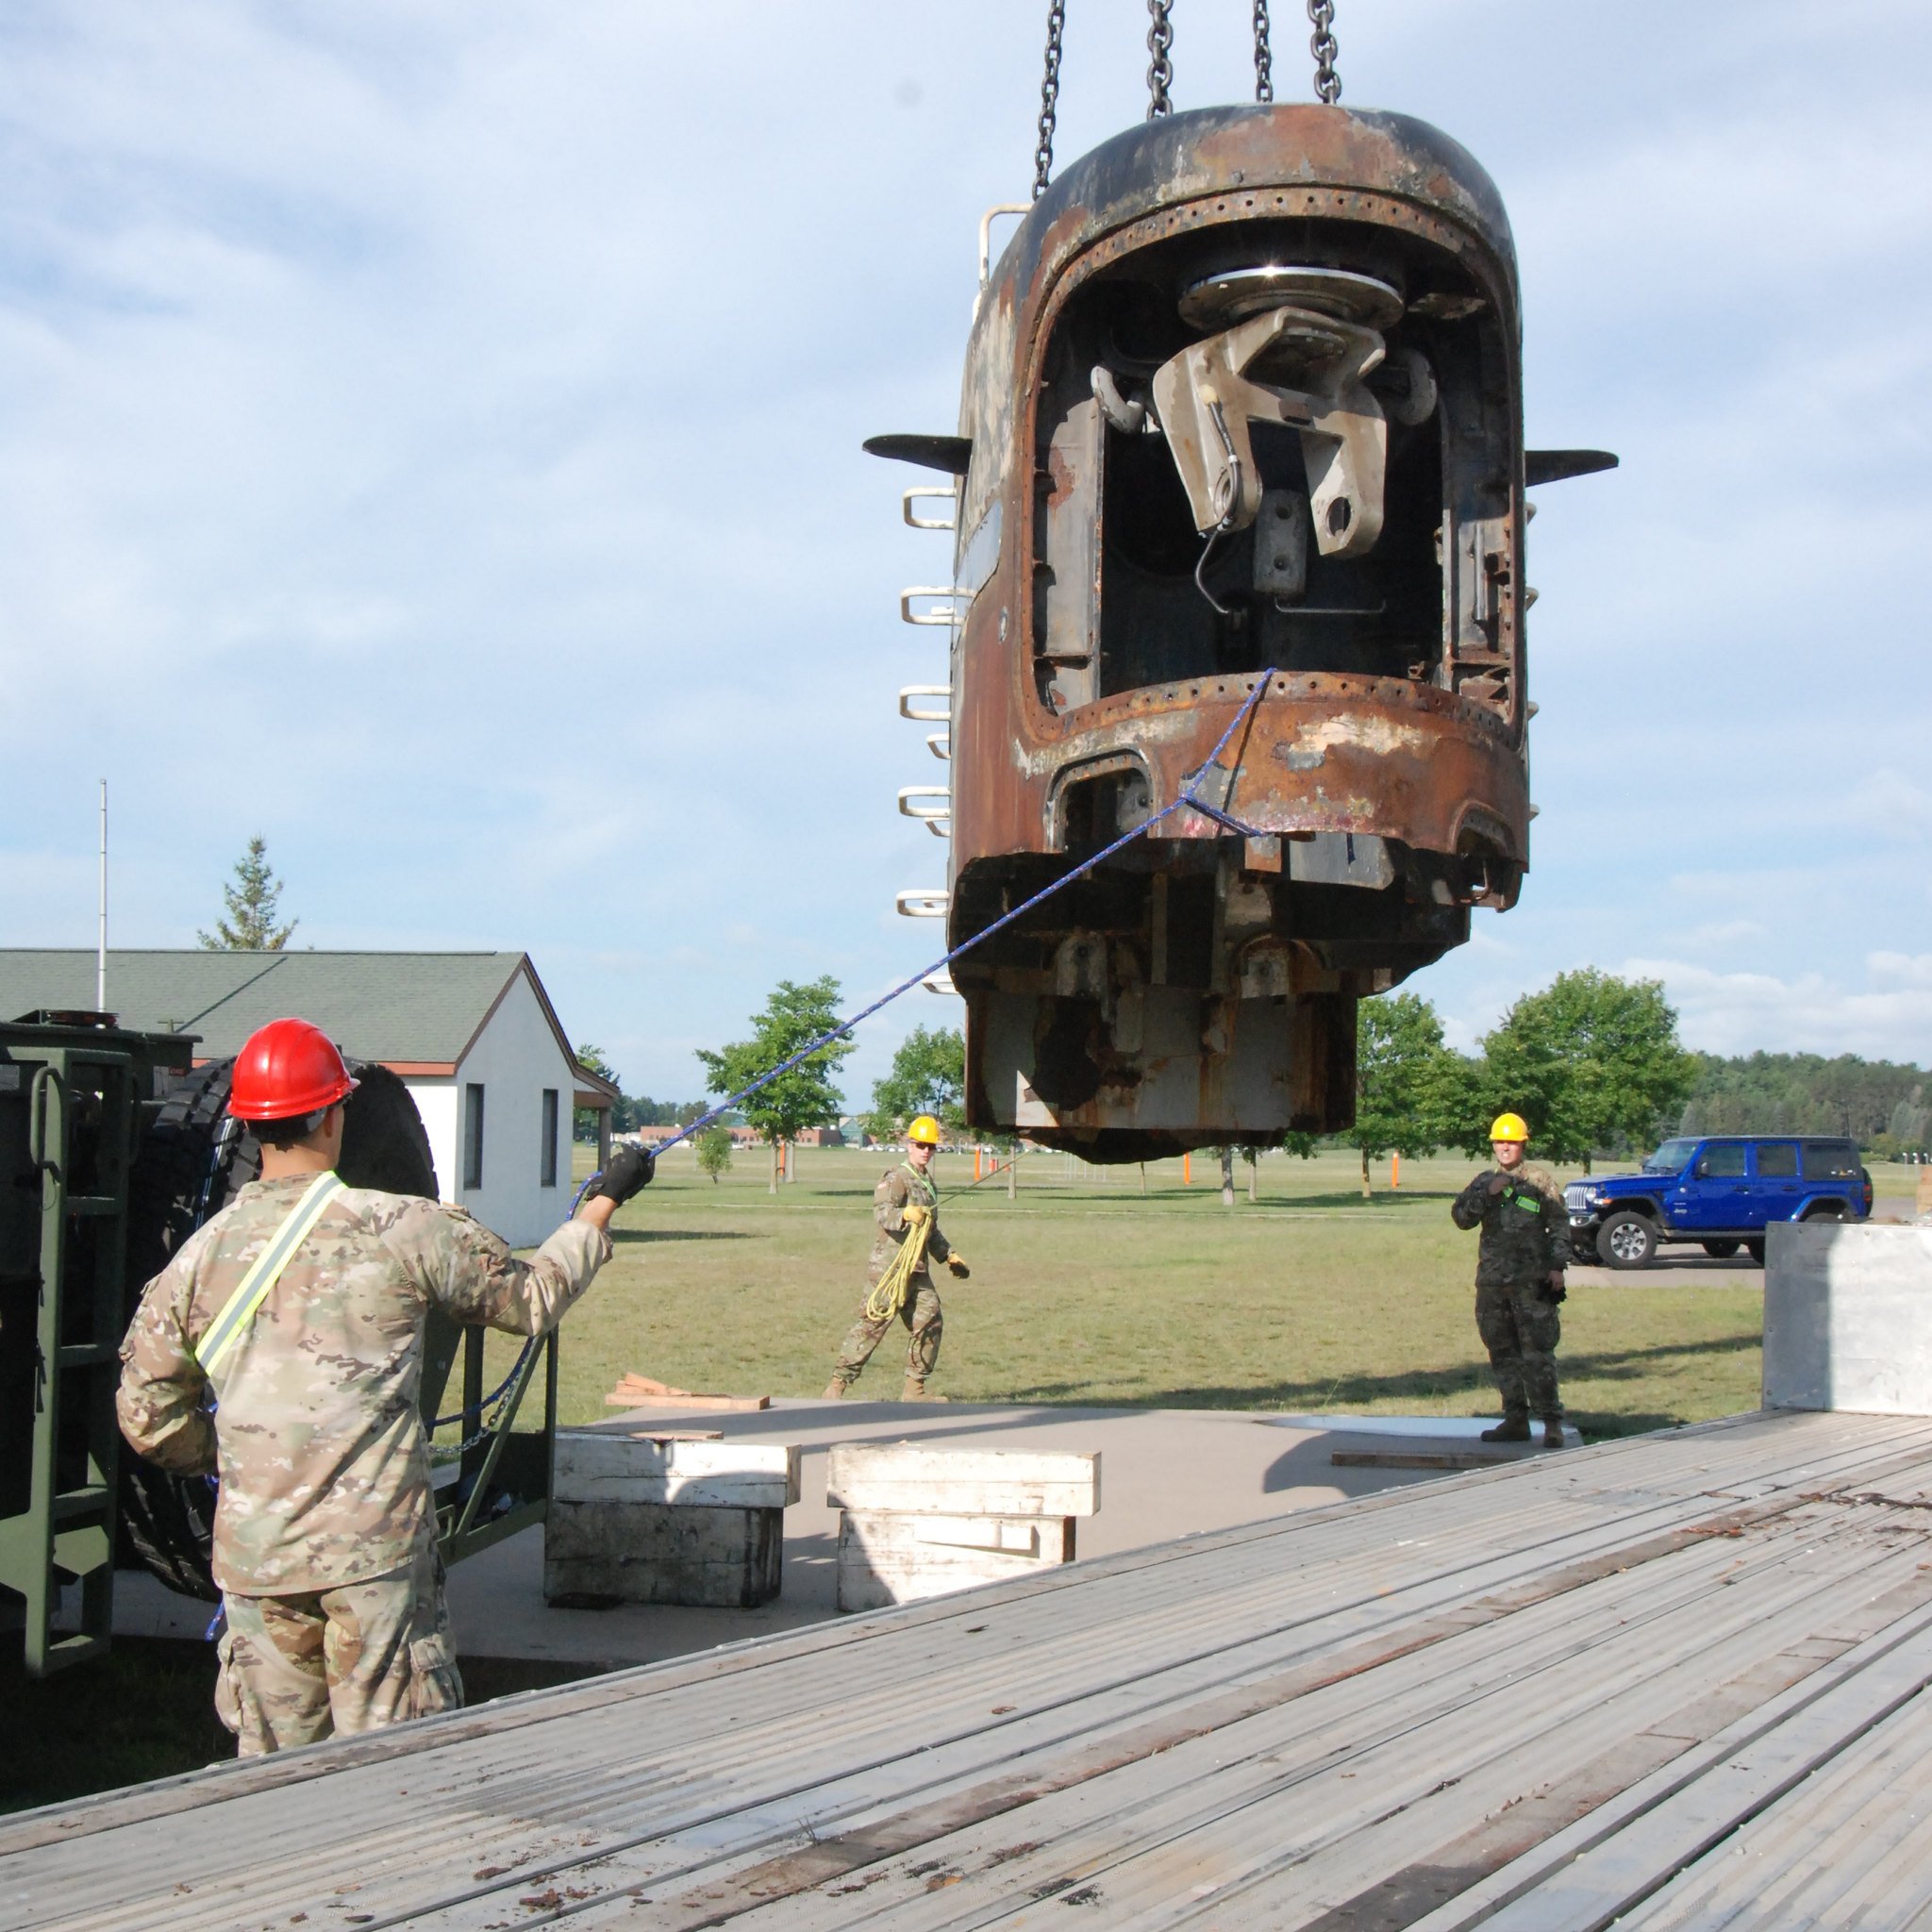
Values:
[(801, 1099), (714, 1152), (1591, 1061), (927, 1076), (1406, 1082)]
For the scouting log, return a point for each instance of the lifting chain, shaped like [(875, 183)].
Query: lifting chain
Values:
[(1160, 69), (1049, 96), (1322, 45), (1264, 61)]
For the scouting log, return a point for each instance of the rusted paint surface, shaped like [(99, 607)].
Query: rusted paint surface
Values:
[(1432, 762)]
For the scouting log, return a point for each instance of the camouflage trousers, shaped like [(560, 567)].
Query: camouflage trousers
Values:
[(925, 1324), (297, 1669), (1520, 1334)]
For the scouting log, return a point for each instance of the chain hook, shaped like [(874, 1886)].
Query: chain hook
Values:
[(1049, 96), (1265, 59), (1160, 69), (1322, 45)]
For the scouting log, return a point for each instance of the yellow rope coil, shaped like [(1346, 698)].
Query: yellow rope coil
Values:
[(889, 1297)]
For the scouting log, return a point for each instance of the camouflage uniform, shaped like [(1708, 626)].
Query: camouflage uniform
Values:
[(1525, 1239), (921, 1313), (325, 1538)]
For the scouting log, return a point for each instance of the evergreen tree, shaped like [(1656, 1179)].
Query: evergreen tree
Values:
[(254, 905)]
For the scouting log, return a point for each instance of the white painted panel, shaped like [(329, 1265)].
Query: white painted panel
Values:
[(514, 1060), (903, 1478), (436, 1101), (1848, 1318), (600, 1468)]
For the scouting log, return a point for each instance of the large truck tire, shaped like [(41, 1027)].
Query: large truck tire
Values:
[(192, 1160)]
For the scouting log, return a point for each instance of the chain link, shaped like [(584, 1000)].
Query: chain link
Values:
[(1049, 96), (1160, 70), (1322, 45), (1264, 61)]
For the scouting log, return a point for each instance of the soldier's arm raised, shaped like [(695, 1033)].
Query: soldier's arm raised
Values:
[(469, 1271), (159, 1402)]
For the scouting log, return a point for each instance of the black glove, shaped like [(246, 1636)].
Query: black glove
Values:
[(629, 1170), (1553, 1292)]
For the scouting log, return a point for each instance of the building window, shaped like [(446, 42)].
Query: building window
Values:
[(473, 1135), (546, 1165)]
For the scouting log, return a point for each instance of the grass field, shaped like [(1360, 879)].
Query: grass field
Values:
[(1086, 1290)]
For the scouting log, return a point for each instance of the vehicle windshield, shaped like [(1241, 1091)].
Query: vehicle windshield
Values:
[(1671, 1157)]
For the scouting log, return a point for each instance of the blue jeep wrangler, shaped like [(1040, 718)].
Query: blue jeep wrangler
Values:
[(1718, 1190)]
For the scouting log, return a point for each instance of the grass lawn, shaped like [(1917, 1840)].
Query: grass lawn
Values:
[(1086, 1290)]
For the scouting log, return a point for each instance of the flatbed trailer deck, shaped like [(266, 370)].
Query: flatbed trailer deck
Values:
[(1675, 1680)]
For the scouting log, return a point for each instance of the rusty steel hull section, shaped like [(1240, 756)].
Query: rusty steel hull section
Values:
[(1200, 987)]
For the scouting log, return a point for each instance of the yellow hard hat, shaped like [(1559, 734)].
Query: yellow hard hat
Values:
[(1509, 1127), (925, 1131)]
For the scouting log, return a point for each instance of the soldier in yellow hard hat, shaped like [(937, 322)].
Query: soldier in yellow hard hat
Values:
[(1519, 1280), (899, 1283)]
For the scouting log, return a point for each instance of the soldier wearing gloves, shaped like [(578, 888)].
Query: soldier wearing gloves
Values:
[(1519, 1280), (899, 1285), (297, 1314)]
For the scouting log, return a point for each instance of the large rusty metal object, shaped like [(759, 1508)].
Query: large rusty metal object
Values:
[(1243, 391)]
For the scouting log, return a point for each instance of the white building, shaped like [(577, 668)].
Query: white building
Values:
[(472, 1035)]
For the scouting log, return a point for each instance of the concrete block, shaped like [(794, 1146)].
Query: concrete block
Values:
[(900, 1478), (595, 1466), (893, 1558), (661, 1552), (1848, 1317)]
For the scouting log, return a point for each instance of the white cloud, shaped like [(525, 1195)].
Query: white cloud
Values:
[(428, 436), (1743, 1012)]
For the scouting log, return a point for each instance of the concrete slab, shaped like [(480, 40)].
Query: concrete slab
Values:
[(1170, 1473)]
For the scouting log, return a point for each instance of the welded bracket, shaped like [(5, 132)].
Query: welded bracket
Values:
[(1208, 394)]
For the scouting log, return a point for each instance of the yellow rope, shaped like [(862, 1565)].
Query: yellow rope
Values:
[(889, 1297)]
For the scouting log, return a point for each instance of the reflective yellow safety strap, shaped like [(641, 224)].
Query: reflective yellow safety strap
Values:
[(226, 1328)]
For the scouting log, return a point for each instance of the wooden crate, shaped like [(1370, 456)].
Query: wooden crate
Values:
[(666, 1520), (917, 1523)]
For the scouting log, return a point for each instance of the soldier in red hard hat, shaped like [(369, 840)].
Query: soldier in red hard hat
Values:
[(300, 1309)]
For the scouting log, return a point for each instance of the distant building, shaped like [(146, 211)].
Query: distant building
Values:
[(473, 1035)]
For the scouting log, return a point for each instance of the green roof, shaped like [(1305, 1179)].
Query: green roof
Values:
[(420, 1006)]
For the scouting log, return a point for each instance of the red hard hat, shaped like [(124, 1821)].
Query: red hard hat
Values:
[(285, 1069)]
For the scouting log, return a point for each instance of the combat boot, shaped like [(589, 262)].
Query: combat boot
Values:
[(914, 1391), (1512, 1428), (1553, 1436)]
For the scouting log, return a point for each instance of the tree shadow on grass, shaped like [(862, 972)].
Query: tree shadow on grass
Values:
[(1431, 1385)]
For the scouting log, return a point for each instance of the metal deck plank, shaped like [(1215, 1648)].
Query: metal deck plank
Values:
[(1642, 1668), (753, 1733), (1647, 1692)]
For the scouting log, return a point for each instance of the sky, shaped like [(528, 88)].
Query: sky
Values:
[(429, 438)]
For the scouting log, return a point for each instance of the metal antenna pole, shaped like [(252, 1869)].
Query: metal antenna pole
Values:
[(101, 950)]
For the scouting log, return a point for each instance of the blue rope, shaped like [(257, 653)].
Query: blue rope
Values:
[(1188, 797)]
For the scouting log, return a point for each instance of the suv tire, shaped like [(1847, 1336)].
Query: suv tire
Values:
[(1627, 1241), (1754, 1248), (1721, 1250)]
